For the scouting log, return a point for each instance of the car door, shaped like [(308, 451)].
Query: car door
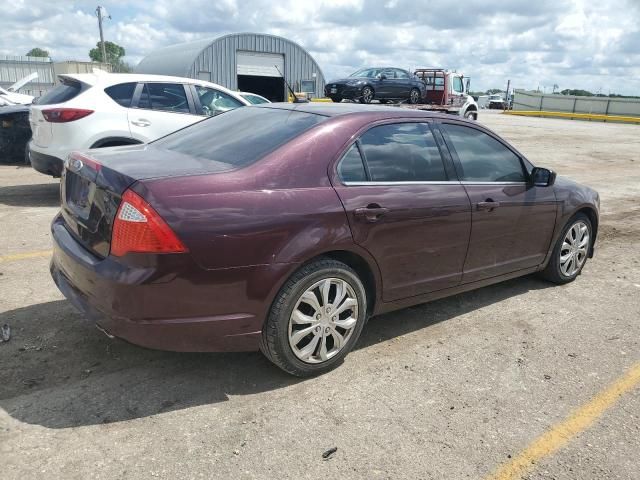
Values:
[(405, 208), (512, 220), (457, 96), (384, 86), (159, 109), (403, 83)]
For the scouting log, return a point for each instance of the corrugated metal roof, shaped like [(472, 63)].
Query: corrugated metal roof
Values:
[(217, 57)]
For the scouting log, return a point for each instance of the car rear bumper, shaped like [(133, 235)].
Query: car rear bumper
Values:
[(150, 306), (47, 164)]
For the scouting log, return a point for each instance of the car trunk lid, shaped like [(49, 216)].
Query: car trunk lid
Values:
[(93, 183)]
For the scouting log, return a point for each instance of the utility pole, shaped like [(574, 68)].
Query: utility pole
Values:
[(506, 95), (101, 13)]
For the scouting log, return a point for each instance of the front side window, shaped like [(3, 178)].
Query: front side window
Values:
[(254, 99), (482, 157), (214, 101), (169, 97), (351, 168), (457, 85), (402, 152)]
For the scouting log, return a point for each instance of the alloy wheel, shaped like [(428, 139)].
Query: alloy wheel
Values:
[(323, 320), (573, 252), (367, 95), (415, 96)]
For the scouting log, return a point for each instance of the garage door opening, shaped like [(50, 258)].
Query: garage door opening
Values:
[(269, 87)]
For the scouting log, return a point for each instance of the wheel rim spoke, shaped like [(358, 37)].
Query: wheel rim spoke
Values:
[(316, 331), (573, 252)]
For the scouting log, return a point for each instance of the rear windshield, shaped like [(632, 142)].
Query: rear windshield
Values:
[(64, 92), (240, 137)]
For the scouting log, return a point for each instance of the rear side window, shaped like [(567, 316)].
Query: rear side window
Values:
[(402, 152), (122, 94), (351, 168), (168, 97), (64, 92), (241, 136), (482, 157)]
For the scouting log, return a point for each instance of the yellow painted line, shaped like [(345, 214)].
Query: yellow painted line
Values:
[(582, 116), (560, 434), (23, 256)]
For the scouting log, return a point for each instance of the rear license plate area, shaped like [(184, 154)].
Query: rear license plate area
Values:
[(78, 190)]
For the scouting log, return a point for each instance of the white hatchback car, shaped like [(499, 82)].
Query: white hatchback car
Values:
[(107, 109)]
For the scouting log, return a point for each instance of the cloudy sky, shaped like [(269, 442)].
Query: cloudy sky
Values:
[(589, 44)]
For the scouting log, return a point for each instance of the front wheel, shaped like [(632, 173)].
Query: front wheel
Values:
[(414, 96), (570, 252), (336, 99), (367, 95), (471, 115), (315, 319)]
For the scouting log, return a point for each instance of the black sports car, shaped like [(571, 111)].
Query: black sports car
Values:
[(384, 84)]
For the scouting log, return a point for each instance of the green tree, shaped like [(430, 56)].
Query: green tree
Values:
[(37, 52), (114, 53)]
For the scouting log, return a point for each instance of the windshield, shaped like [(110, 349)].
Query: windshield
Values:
[(240, 137), (254, 99), (367, 72)]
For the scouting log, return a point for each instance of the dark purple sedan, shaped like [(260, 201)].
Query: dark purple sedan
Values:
[(284, 227)]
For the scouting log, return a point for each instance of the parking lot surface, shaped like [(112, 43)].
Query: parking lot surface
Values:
[(522, 379)]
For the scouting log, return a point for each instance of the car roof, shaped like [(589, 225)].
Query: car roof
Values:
[(105, 79), (336, 109)]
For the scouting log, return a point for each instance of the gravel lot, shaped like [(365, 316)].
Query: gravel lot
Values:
[(451, 389)]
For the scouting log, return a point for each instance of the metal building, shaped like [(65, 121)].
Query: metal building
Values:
[(241, 61)]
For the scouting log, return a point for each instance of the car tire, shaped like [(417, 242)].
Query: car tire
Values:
[(573, 245), (367, 94), (414, 96), (471, 115), (294, 311), (336, 99)]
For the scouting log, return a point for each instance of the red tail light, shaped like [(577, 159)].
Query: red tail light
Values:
[(138, 228), (64, 115)]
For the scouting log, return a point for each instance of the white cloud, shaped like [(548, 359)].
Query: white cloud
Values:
[(578, 44)]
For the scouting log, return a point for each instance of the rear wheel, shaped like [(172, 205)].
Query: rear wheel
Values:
[(570, 252), (414, 96), (315, 319), (367, 95)]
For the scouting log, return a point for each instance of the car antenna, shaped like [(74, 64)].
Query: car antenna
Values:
[(293, 94)]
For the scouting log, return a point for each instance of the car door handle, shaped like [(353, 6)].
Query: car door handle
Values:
[(488, 204), (141, 122), (371, 213)]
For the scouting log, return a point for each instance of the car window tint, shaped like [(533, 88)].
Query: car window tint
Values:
[(121, 93), (241, 136), (401, 74), (64, 92), (254, 99), (351, 168), (213, 102), (483, 158), (169, 97), (402, 152)]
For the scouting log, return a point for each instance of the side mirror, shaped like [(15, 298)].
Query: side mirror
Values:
[(543, 177)]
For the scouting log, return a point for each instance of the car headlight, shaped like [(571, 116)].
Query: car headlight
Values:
[(353, 83)]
